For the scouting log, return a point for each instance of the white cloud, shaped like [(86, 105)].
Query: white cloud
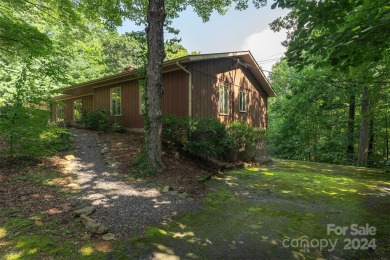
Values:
[(266, 46)]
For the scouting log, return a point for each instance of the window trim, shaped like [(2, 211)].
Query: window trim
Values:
[(242, 106), (120, 101), (225, 99)]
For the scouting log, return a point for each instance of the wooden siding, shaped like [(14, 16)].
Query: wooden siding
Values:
[(206, 79), (175, 98), (130, 116), (87, 102)]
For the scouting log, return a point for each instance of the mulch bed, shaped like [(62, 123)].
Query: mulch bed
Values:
[(182, 170)]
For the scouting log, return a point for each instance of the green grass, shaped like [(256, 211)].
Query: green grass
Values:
[(255, 210)]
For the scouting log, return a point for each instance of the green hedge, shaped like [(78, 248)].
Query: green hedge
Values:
[(101, 120), (207, 137)]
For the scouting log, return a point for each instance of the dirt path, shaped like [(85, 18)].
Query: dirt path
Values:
[(125, 208)]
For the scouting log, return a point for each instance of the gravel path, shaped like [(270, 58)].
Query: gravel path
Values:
[(126, 208)]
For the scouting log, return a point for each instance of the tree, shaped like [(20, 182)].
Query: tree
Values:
[(156, 55), (344, 34)]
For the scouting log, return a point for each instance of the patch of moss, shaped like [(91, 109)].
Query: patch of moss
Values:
[(254, 210)]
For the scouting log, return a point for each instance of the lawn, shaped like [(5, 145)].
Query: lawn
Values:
[(280, 210)]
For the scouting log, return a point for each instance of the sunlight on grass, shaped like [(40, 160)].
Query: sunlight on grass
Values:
[(183, 234), (252, 210), (332, 193), (155, 231), (268, 173), (165, 249), (3, 232), (13, 256), (87, 250), (32, 251), (253, 169)]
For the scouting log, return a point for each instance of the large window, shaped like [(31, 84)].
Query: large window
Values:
[(223, 100), (242, 101), (116, 101), (77, 110)]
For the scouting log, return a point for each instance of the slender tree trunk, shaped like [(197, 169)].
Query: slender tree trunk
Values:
[(387, 140), (351, 126), (371, 143), (155, 57), (364, 130)]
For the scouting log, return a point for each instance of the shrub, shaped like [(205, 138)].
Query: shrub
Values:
[(101, 120), (206, 137), (242, 141), (141, 167), (174, 129)]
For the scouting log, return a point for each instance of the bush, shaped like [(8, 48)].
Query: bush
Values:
[(174, 130), (56, 139), (101, 120), (206, 137), (242, 141)]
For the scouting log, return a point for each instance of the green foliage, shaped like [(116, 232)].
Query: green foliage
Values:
[(309, 120), (174, 130), (206, 137), (341, 33), (26, 132), (141, 165), (242, 140), (101, 120), (23, 118)]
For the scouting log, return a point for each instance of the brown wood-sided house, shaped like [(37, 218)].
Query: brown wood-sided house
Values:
[(226, 86)]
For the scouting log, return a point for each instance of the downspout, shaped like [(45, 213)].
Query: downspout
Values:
[(189, 87)]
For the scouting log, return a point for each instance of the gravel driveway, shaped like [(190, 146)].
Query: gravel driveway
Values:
[(125, 207)]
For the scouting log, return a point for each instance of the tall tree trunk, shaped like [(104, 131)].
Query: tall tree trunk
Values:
[(364, 130), (155, 57), (351, 126)]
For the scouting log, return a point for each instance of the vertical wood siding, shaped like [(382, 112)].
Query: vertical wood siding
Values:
[(175, 98), (206, 78), (87, 102)]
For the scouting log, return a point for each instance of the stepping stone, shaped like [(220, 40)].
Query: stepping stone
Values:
[(85, 211)]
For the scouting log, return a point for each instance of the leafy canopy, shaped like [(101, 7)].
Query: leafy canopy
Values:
[(343, 33)]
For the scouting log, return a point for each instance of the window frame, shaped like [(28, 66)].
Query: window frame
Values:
[(223, 99), (119, 99), (60, 113), (242, 101)]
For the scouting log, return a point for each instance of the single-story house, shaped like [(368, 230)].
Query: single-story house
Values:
[(227, 86)]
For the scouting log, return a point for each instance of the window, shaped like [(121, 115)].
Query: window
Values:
[(242, 101), (60, 113), (77, 110), (223, 100), (116, 101)]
